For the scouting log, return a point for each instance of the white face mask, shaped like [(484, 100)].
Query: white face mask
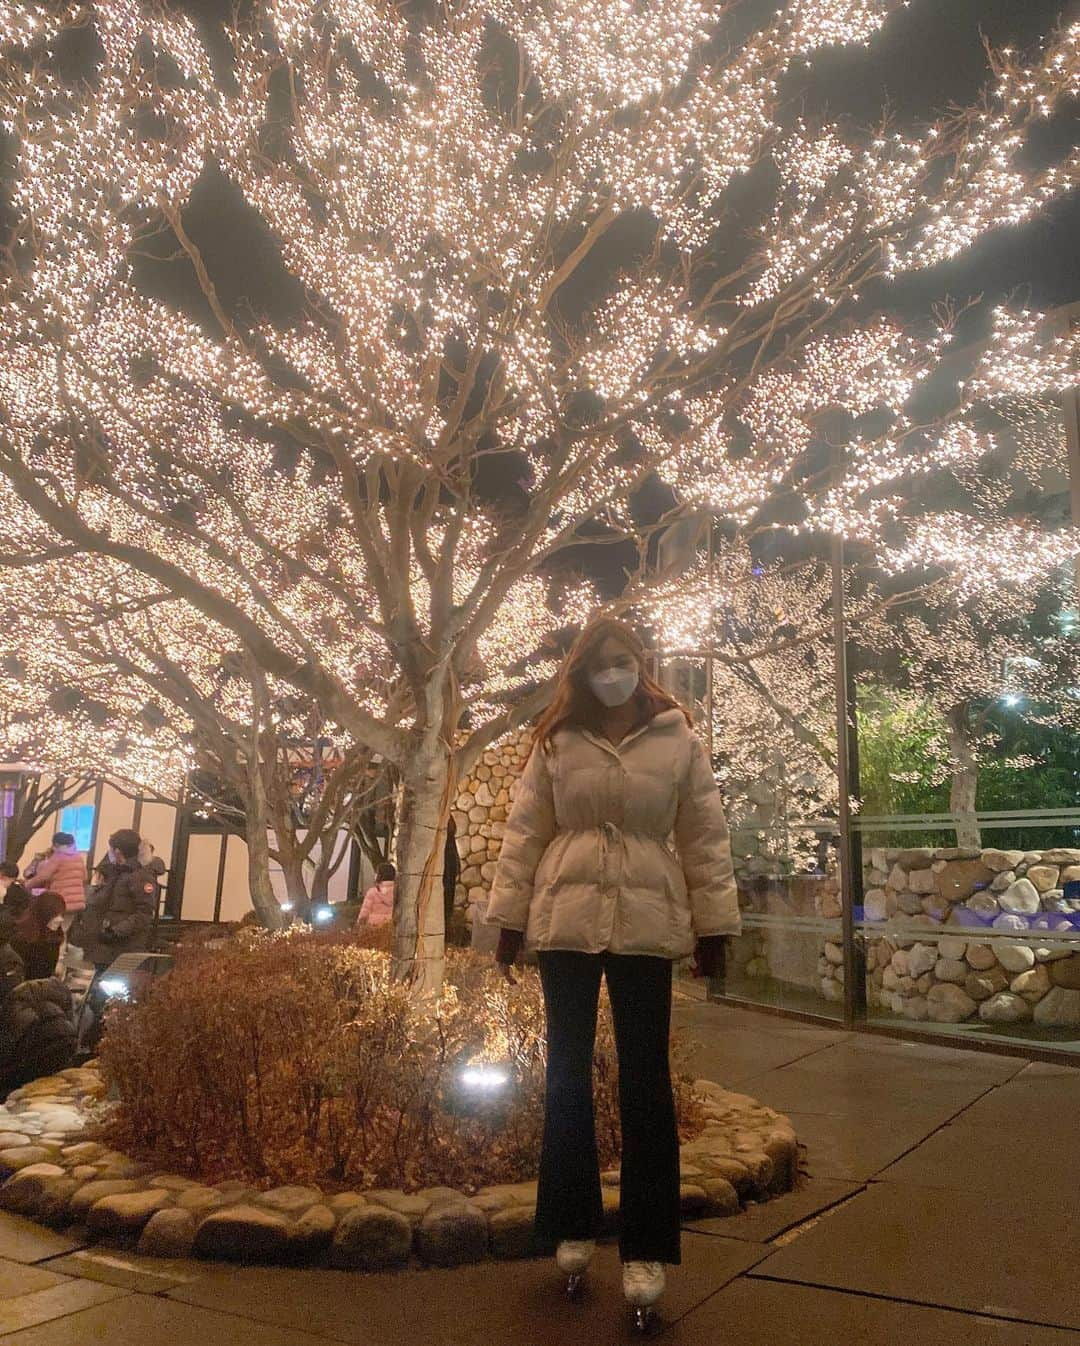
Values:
[(614, 686)]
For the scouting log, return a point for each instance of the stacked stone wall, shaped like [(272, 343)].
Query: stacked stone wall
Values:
[(480, 812), (983, 912)]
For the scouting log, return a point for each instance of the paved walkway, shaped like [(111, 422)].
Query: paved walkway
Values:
[(938, 1210)]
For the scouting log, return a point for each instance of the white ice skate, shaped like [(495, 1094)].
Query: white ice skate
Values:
[(572, 1257), (643, 1284)]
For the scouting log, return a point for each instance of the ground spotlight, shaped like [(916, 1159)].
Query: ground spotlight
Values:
[(322, 914), (484, 1079), (115, 988)]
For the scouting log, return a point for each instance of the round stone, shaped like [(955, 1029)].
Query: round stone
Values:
[(198, 1199), (952, 947), (291, 1200), (371, 1238), (511, 1232), (950, 969), (1004, 1008), (312, 1232), (344, 1201), (1065, 972), (92, 1192), (983, 904), (121, 1217), (998, 860), (1031, 985), (1059, 1008), (243, 1234), (168, 1233), (1014, 957), (1021, 898), (980, 957), (948, 1004), (1044, 877), (22, 1156), (450, 1236), (982, 985)]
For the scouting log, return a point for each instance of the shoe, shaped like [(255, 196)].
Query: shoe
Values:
[(643, 1283), (573, 1256)]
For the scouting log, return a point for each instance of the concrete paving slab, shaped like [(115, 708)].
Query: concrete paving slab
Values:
[(23, 1241), (1031, 1105), (997, 1256), (864, 1053), (972, 1158), (762, 1222), (1045, 1070), (56, 1302), (471, 1306), (113, 1266), (764, 1313), (17, 1279), (724, 1018), (863, 1090), (145, 1320), (735, 1055), (858, 1149)]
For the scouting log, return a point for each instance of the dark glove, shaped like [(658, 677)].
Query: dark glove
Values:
[(510, 942), (711, 955)]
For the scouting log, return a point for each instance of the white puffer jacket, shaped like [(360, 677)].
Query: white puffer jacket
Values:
[(586, 861)]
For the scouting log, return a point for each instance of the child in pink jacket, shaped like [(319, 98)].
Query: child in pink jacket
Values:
[(378, 906)]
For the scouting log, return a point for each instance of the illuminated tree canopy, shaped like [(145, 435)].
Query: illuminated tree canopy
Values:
[(517, 297)]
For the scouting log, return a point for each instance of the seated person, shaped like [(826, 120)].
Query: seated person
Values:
[(14, 896), (37, 1032), (39, 935)]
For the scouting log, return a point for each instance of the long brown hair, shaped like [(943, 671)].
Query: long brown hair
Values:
[(574, 702)]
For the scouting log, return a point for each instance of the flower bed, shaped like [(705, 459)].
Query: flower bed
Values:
[(281, 1098), (55, 1175)]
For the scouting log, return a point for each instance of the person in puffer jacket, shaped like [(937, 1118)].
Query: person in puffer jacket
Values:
[(615, 862), (62, 871), (37, 1032), (377, 907)]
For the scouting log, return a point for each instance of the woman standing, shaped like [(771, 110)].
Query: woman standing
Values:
[(587, 878)]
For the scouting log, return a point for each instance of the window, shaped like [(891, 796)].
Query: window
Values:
[(78, 819)]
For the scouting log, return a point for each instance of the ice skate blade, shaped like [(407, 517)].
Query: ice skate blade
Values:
[(574, 1284), (644, 1320)]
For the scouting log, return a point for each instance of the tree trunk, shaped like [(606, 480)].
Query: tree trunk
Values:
[(419, 936), (965, 778), (296, 889), (266, 905)]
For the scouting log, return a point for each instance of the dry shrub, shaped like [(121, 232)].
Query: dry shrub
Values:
[(294, 1057)]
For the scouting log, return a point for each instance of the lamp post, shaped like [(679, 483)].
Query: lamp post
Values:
[(847, 784)]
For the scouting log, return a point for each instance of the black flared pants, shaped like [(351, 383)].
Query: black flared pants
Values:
[(568, 1202)]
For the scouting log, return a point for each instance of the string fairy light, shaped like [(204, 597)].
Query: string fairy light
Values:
[(315, 490)]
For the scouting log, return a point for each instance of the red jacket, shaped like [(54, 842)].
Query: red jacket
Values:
[(63, 872)]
